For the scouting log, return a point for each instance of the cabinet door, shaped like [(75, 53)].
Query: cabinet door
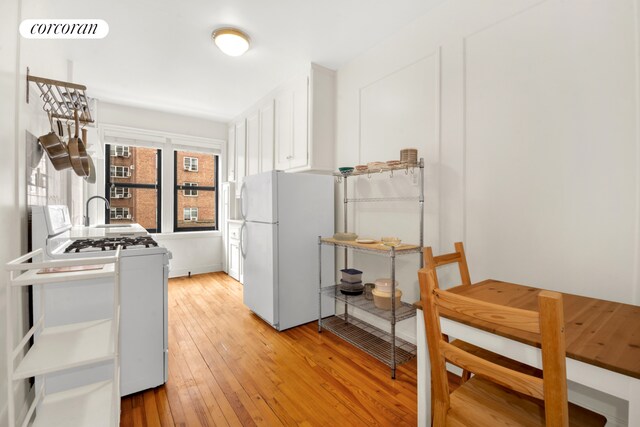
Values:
[(284, 128), (234, 259), (253, 143), (231, 154), (267, 136), (300, 144), (241, 140)]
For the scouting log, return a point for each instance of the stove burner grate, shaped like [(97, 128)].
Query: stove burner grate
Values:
[(110, 244)]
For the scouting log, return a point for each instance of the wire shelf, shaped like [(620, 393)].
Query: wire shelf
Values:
[(370, 339), (379, 248), (385, 199), (403, 311)]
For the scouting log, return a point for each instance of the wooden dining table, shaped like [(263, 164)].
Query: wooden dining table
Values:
[(602, 339)]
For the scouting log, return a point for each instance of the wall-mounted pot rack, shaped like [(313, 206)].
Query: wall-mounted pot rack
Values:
[(62, 98)]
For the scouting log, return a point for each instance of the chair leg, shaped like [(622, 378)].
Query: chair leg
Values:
[(465, 376)]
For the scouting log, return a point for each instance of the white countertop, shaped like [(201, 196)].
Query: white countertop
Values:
[(81, 232)]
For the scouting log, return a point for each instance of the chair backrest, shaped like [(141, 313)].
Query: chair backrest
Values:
[(455, 257), (548, 322)]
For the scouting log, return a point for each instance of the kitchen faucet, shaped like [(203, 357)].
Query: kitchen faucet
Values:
[(86, 216)]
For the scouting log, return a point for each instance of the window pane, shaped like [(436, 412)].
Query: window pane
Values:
[(195, 207), (140, 207), (138, 166), (129, 167)]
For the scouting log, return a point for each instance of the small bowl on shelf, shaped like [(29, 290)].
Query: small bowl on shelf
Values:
[(345, 237), (391, 241), (345, 171)]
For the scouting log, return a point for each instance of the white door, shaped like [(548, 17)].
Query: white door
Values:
[(258, 249), (257, 198)]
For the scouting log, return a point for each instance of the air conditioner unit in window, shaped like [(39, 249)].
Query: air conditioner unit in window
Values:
[(194, 219), (127, 216), (117, 196), (127, 196)]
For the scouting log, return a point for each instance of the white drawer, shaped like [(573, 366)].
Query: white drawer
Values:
[(234, 231)]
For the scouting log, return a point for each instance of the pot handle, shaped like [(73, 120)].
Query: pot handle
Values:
[(75, 117)]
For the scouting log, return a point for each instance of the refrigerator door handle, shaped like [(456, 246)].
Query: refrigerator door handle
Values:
[(242, 252), (242, 214)]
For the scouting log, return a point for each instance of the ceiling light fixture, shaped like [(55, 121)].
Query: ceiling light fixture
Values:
[(231, 41)]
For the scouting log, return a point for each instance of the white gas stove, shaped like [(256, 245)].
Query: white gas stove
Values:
[(144, 273)]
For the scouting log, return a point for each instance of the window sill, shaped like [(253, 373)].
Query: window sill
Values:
[(180, 235)]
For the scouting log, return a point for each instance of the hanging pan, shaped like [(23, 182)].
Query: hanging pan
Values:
[(91, 177), (55, 148), (78, 152)]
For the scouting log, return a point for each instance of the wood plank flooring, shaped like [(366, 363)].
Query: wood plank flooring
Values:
[(228, 367)]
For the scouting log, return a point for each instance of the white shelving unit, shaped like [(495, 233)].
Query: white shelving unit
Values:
[(60, 348)]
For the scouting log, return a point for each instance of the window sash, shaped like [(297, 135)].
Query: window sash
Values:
[(120, 193), (191, 164), (120, 172), (120, 151), (189, 191), (190, 214), (119, 213)]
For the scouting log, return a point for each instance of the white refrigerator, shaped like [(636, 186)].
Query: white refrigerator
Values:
[(283, 216)]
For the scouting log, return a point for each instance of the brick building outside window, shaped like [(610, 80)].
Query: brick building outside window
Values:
[(195, 209)]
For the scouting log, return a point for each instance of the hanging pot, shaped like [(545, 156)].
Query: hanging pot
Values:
[(91, 178), (55, 148), (78, 152)]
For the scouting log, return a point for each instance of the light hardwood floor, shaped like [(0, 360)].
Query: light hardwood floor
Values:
[(227, 367)]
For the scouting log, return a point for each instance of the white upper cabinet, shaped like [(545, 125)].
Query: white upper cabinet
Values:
[(253, 143), (241, 158), (291, 129), (231, 154), (267, 135), (305, 122), (284, 128)]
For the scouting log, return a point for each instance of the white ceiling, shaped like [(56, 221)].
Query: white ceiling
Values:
[(159, 53)]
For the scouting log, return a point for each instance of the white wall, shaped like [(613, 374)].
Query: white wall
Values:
[(142, 118), (526, 113), (9, 210)]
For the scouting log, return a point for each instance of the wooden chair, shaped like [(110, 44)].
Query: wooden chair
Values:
[(496, 395), (433, 263)]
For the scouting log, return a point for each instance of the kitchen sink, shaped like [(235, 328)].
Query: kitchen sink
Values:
[(112, 225)]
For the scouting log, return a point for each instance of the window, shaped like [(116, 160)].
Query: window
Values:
[(120, 193), (120, 172), (120, 151), (191, 192), (138, 198), (120, 213), (199, 170), (191, 164), (190, 214)]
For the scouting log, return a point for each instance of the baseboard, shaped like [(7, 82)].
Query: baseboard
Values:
[(181, 272)]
